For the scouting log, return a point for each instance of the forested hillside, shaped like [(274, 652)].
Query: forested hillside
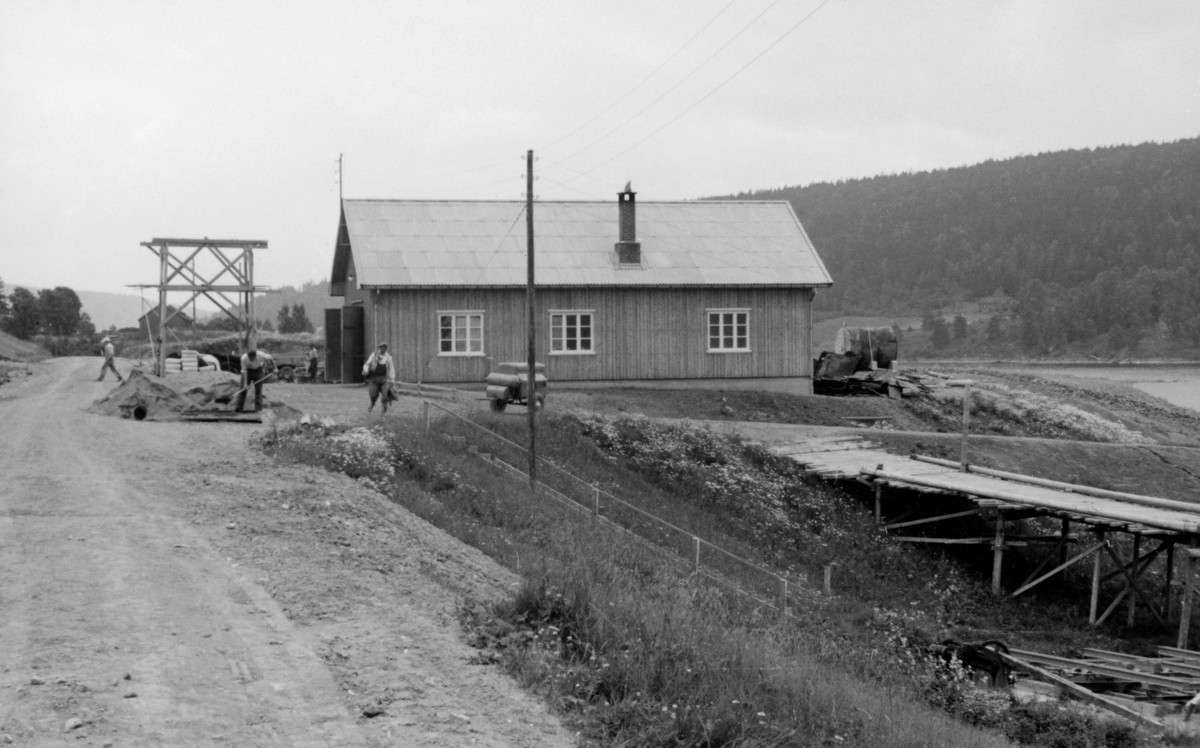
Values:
[(1089, 241)]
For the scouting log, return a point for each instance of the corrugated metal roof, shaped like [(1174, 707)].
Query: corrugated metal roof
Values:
[(482, 243)]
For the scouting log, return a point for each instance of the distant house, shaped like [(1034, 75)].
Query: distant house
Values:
[(996, 304), (660, 290), (148, 322)]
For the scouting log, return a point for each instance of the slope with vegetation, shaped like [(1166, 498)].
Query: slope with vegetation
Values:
[(637, 651), (1089, 242)]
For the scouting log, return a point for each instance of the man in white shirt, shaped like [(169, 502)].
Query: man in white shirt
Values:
[(106, 348), (255, 367)]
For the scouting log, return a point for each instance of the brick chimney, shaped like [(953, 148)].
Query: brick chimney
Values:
[(629, 249)]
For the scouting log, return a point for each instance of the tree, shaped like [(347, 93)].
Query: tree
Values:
[(960, 327), (86, 327), (222, 322), (293, 319), (265, 325), (23, 320), (300, 321), (3, 300), (940, 333), (1123, 337), (59, 310), (994, 331)]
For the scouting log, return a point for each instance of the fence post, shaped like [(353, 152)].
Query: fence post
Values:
[(696, 558), (828, 580), (783, 597), (595, 503), (425, 414)]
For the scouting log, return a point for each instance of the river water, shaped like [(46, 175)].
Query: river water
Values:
[(1179, 385)]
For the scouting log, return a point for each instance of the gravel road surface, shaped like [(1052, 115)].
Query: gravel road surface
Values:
[(163, 584)]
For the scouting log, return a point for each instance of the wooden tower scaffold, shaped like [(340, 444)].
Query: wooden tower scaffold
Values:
[(221, 270)]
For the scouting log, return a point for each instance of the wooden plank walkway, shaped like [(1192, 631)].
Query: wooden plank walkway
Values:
[(854, 458)]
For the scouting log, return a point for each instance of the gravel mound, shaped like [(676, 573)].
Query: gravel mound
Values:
[(164, 398)]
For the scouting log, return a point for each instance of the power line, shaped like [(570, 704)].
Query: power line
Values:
[(718, 87), (499, 245), (681, 81), (648, 77)]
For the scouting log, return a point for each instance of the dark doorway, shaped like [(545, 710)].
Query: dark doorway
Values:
[(333, 345), (353, 356)]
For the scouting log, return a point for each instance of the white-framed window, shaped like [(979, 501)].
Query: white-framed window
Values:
[(460, 333), (728, 330), (571, 332)]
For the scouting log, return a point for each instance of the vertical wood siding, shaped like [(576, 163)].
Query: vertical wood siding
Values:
[(650, 333)]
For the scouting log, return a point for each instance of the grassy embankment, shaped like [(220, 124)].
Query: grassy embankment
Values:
[(637, 652)]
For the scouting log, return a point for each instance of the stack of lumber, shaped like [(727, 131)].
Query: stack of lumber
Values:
[(1145, 688)]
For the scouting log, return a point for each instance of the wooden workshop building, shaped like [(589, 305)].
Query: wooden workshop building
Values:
[(625, 291)]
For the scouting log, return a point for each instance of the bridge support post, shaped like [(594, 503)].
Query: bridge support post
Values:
[(1097, 566), (1137, 553), (1166, 611), (1065, 534), (998, 552), (1185, 610)]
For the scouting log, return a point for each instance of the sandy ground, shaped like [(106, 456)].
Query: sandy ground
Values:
[(165, 584)]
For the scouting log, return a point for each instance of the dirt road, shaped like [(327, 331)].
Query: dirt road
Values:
[(164, 584)]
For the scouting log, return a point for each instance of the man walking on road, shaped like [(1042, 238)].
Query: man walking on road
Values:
[(106, 348), (380, 372), (312, 363), (254, 372)]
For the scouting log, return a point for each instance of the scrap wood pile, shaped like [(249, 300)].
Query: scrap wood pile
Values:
[(838, 374), (208, 396), (863, 362), (1145, 689)]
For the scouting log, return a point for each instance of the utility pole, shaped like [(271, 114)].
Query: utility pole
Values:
[(339, 179), (531, 381)]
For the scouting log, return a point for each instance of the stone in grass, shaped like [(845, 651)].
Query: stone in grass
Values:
[(130, 695), (36, 681), (73, 723), (372, 710)]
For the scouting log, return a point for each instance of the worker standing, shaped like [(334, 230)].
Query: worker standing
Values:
[(380, 371), (255, 366), (106, 349), (312, 363)]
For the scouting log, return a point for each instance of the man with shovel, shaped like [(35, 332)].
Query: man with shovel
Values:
[(255, 365)]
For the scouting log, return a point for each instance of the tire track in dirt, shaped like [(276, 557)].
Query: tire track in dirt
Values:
[(116, 557)]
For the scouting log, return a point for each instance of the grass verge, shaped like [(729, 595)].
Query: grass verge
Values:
[(636, 651)]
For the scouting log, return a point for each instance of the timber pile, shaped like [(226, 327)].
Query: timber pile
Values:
[(1146, 689)]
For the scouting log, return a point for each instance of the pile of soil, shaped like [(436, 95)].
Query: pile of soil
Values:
[(164, 398), (149, 392)]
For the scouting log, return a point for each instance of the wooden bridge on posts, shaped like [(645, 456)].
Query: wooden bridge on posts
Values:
[(1158, 527)]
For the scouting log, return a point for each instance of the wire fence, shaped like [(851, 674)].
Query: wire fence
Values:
[(683, 548)]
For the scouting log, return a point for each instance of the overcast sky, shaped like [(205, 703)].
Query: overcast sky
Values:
[(123, 121)]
